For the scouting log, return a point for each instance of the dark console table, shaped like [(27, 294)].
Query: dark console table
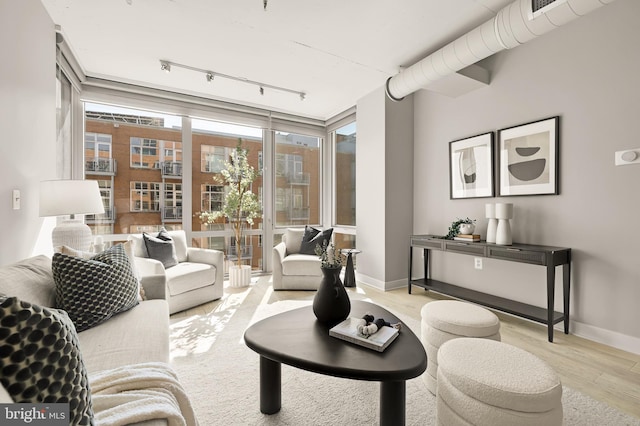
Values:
[(547, 256)]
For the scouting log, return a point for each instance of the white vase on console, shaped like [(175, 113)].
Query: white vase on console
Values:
[(504, 212), (492, 226)]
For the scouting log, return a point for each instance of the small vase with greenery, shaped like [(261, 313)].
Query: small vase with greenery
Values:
[(330, 258), (240, 203), (454, 229)]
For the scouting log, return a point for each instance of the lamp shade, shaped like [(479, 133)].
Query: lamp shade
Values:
[(62, 197)]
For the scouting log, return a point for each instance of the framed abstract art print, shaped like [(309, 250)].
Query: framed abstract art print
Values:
[(471, 167), (528, 158)]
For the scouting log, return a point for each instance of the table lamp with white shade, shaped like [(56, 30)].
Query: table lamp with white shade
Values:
[(70, 197)]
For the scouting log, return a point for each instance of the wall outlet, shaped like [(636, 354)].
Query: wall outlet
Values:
[(477, 262)]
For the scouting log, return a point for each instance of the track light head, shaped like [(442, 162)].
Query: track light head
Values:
[(302, 96), (261, 90), (165, 66), (209, 77)]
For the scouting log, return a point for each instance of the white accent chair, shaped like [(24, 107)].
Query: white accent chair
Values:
[(196, 279), (292, 270)]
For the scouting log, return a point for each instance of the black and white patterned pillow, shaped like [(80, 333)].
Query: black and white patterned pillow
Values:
[(40, 359), (93, 290)]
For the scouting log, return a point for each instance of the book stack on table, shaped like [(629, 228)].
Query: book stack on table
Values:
[(467, 237), (347, 330)]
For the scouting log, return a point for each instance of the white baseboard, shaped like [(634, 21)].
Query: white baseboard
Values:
[(371, 282), (380, 285), (610, 338)]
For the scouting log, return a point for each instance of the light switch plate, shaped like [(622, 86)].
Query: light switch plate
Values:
[(15, 199)]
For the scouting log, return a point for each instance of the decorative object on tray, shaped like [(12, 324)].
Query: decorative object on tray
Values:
[(471, 167), (331, 303), (454, 229), (529, 158), (376, 335), (504, 212), (467, 237), (492, 226), (240, 206)]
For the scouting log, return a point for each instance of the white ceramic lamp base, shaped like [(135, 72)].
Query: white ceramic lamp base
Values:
[(72, 233)]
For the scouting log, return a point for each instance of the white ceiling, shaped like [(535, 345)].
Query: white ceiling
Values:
[(336, 51)]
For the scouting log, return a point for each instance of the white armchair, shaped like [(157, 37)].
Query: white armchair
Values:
[(196, 279), (292, 270)]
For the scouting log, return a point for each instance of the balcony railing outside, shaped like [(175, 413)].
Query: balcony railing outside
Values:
[(246, 253), (172, 169), (109, 216), (299, 178), (172, 213), (107, 166), (299, 214)]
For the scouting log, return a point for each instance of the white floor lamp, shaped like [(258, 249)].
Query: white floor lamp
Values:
[(70, 197)]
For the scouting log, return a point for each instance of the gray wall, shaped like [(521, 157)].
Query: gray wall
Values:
[(27, 123), (587, 73), (384, 176)]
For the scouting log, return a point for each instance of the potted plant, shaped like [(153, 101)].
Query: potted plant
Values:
[(240, 205), (454, 229)]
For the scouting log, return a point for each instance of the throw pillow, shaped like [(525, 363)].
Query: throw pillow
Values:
[(161, 248), (128, 248), (40, 358), (313, 237), (93, 290)]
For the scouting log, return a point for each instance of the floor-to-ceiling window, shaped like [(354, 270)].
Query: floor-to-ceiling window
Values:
[(213, 144), (160, 170), (344, 184), (135, 156), (297, 179)]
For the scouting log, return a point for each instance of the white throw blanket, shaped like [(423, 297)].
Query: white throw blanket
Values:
[(140, 392)]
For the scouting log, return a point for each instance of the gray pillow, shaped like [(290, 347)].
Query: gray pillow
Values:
[(29, 279), (161, 248), (313, 237)]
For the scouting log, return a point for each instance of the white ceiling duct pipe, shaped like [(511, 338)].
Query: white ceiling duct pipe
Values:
[(513, 25)]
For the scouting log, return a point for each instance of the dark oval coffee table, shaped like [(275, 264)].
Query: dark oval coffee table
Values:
[(297, 339)]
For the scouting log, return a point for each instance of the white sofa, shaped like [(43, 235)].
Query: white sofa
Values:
[(292, 270), (139, 335), (196, 279)]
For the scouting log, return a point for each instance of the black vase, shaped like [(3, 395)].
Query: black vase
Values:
[(331, 303)]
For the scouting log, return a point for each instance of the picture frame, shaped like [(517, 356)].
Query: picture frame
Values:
[(471, 167), (528, 158)]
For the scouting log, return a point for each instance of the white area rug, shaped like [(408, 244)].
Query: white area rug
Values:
[(220, 374)]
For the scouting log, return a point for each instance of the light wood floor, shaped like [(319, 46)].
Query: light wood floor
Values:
[(605, 373)]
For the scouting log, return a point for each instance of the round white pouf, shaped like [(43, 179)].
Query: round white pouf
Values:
[(486, 382), (444, 320)]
